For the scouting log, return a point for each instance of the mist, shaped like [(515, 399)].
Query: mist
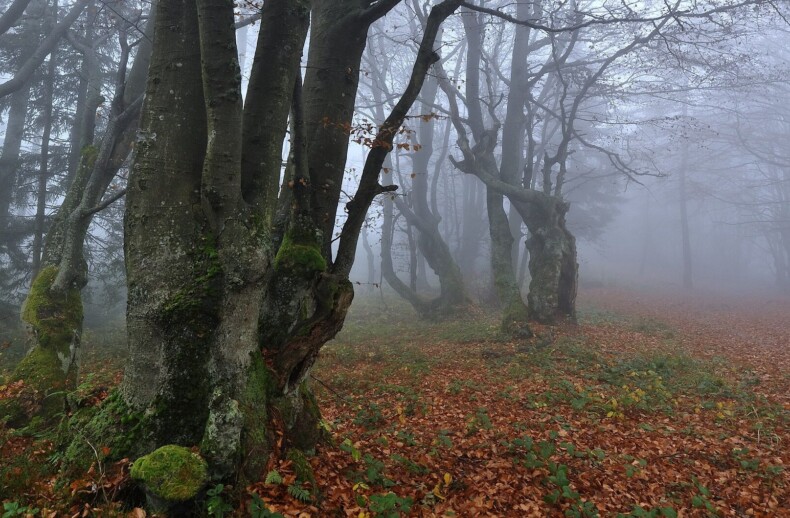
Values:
[(394, 257)]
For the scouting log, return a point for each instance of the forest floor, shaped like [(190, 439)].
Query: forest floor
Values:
[(655, 405)]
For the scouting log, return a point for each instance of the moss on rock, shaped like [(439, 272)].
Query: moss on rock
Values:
[(171, 472)]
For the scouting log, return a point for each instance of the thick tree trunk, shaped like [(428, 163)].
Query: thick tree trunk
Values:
[(225, 319), (514, 314), (267, 105), (337, 40), (552, 262)]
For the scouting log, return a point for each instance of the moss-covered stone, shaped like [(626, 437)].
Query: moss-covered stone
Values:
[(172, 473)]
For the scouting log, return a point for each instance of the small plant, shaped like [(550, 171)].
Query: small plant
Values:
[(389, 505), (258, 509), (635, 467), (297, 491), (273, 477), (478, 421), (406, 438), (11, 509), (215, 504), (374, 472), (564, 492), (656, 512), (369, 416), (348, 447), (702, 499), (411, 466), (443, 439)]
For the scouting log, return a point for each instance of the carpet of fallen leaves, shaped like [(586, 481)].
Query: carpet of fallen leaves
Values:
[(660, 405), (444, 415)]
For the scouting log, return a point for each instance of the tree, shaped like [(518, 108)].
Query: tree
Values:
[(53, 309), (414, 206), (233, 291)]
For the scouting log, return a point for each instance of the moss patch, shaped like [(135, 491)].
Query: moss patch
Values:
[(54, 317), (299, 253), (254, 407), (114, 429), (172, 473)]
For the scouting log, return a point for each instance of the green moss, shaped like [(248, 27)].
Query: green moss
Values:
[(114, 429), (254, 404), (300, 254), (171, 472), (196, 302), (55, 317), (42, 370), (89, 155)]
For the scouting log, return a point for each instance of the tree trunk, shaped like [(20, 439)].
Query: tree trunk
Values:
[(9, 160), (514, 311), (552, 261), (43, 172), (684, 218), (370, 261)]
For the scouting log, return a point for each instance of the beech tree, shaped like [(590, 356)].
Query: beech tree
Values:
[(233, 289)]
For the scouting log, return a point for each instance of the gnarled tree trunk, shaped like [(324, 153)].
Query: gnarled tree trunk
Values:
[(227, 311), (552, 262)]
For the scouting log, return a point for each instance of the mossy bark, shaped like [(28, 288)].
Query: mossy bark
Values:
[(54, 322), (552, 263), (225, 318)]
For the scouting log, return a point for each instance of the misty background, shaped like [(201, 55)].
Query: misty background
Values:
[(678, 170)]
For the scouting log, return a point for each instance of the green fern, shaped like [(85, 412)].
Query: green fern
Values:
[(300, 493), (273, 477)]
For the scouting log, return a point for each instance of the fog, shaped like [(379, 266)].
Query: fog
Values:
[(667, 137)]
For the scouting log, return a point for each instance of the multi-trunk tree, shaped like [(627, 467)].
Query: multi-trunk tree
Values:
[(233, 286)]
